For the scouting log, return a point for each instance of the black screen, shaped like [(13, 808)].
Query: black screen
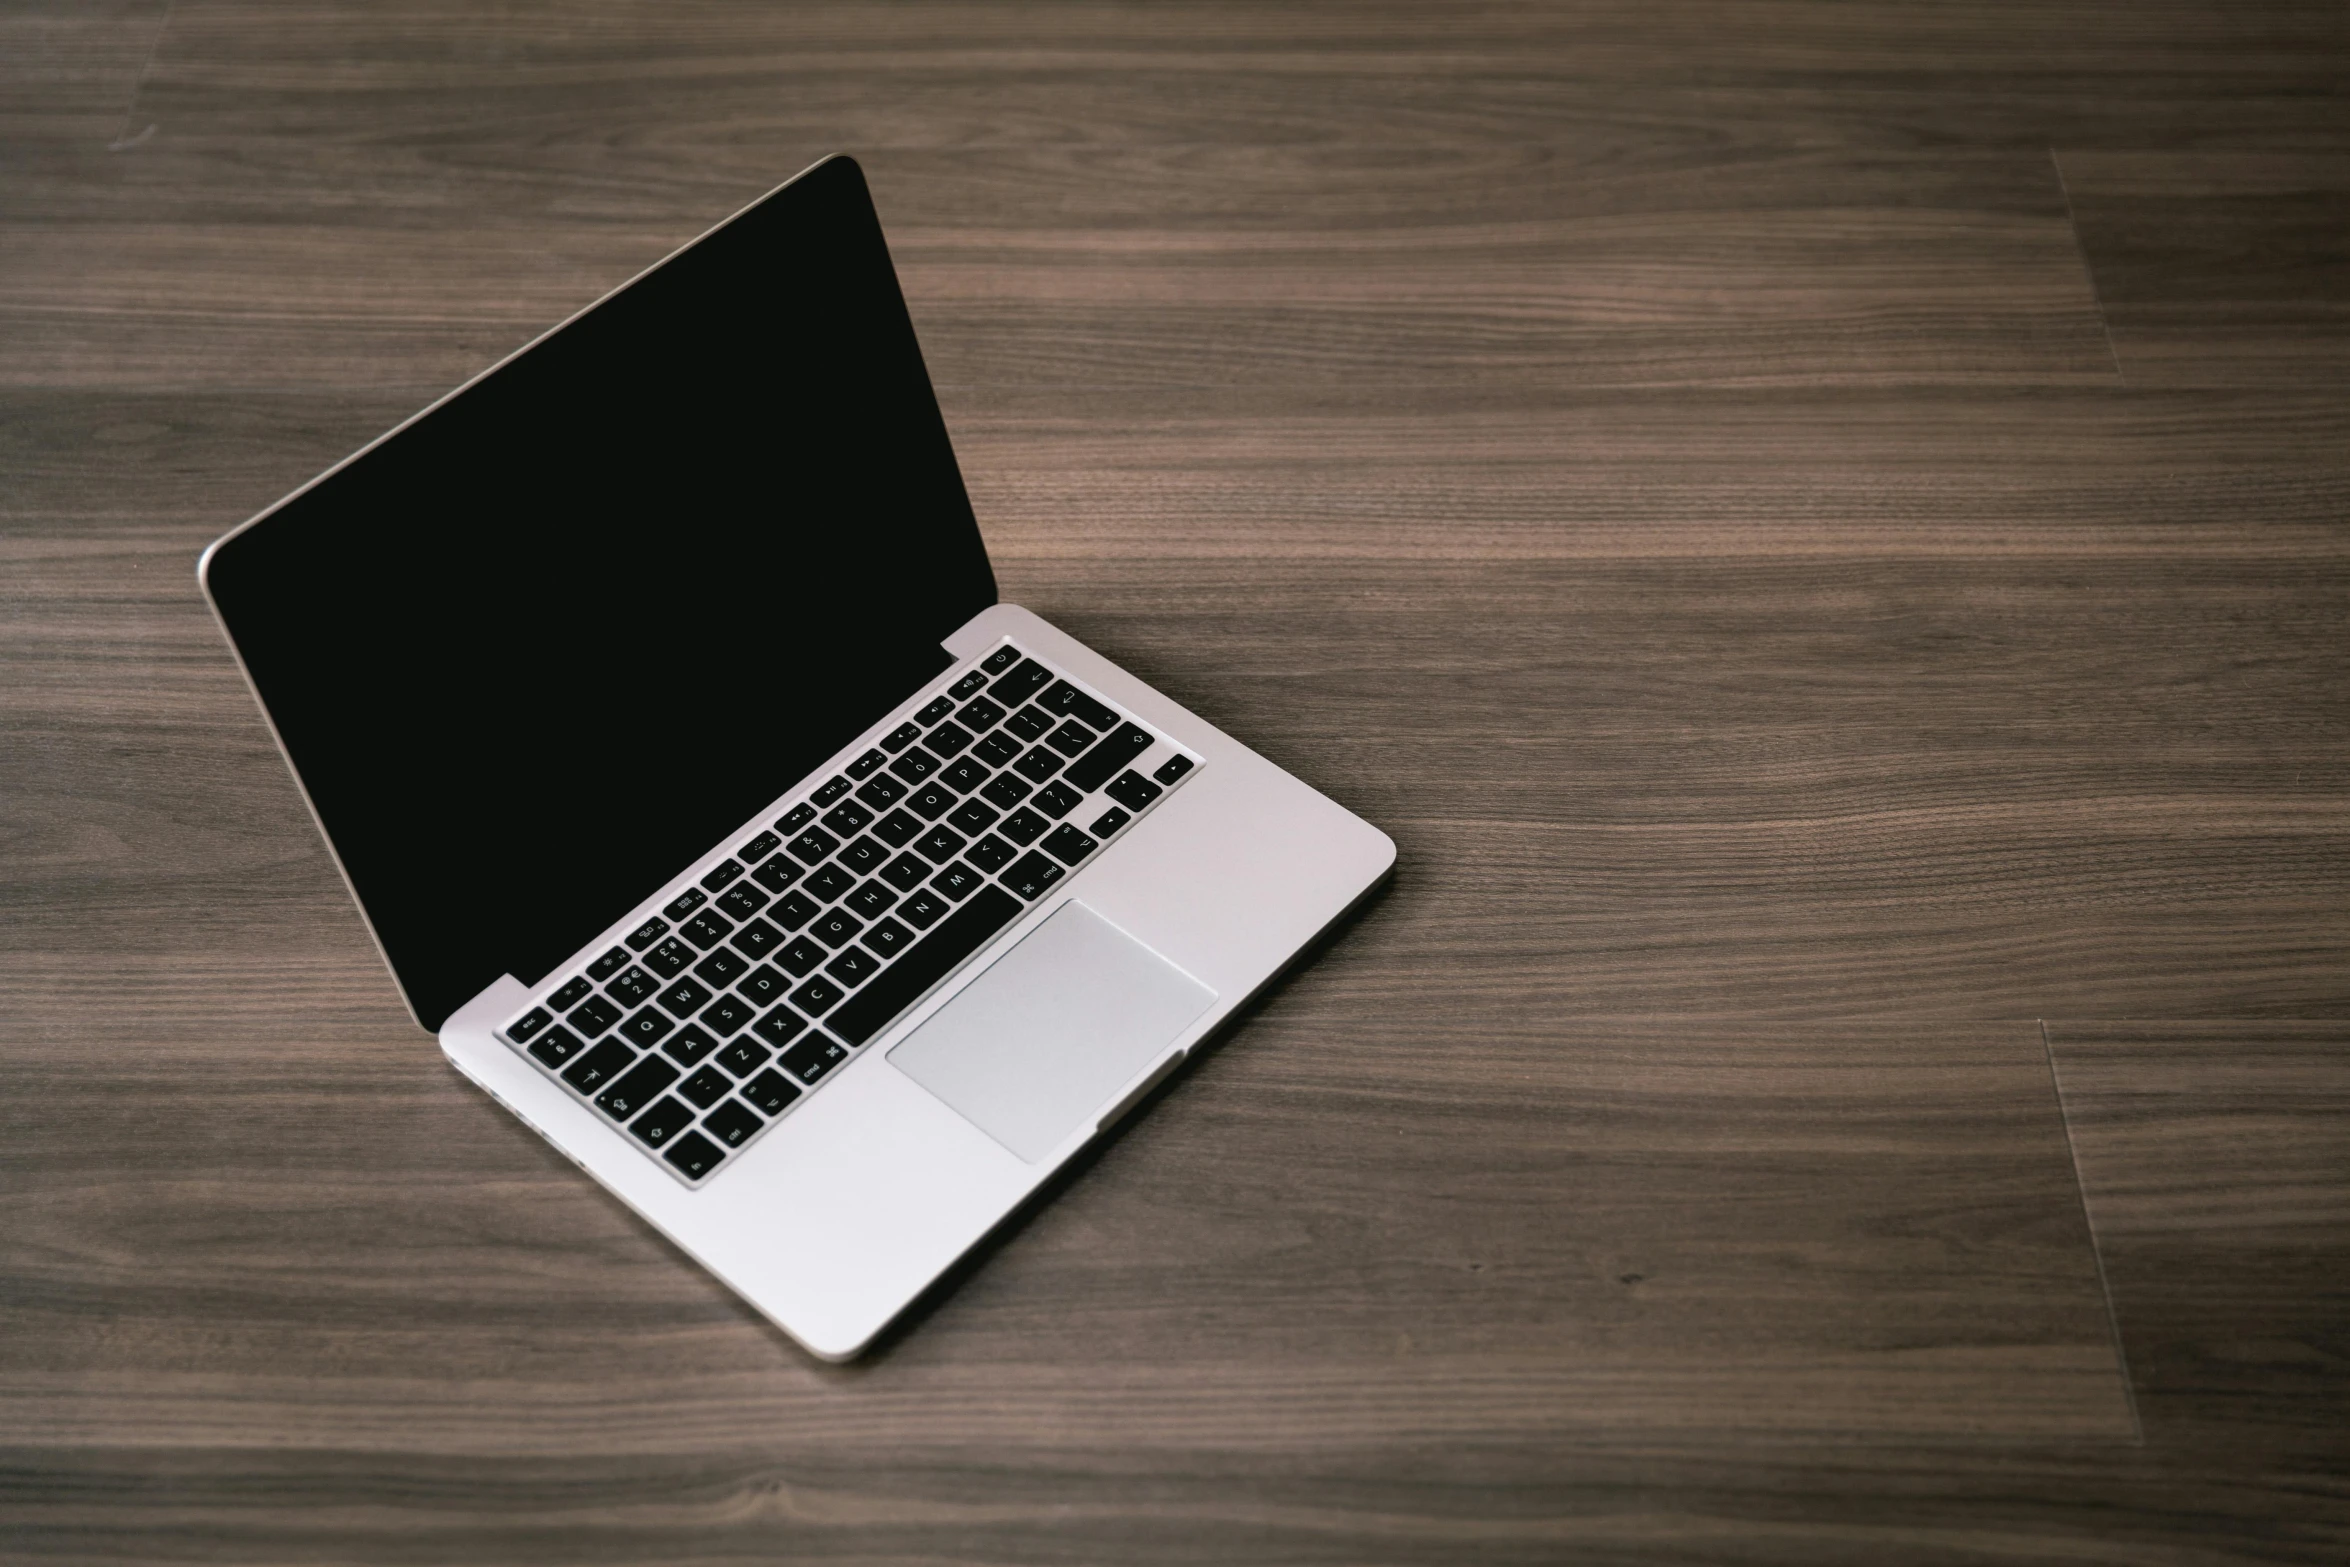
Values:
[(548, 642)]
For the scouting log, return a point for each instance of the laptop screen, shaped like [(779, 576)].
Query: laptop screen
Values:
[(538, 648)]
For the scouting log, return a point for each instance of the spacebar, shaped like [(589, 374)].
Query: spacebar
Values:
[(900, 985)]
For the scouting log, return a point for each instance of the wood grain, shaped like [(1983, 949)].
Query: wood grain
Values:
[(1819, 527)]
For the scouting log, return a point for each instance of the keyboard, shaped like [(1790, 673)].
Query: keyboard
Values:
[(811, 934)]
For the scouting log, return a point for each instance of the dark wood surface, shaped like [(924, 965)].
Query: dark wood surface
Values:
[(1822, 529)]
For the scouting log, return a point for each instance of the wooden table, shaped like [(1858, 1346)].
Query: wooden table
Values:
[(1822, 529)]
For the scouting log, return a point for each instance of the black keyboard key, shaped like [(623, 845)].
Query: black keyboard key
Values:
[(886, 937), (796, 818), (1006, 790), (1001, 659), (934, 710), (906, 872), (1134, 791), (528, 1024), (780, 1026), (899, 738), (742, 902), (1032, 875), (915, 765), (870, 901), (974, 680), (771, 1092), (830, 790), (646, 934), (947, 739), (829, 883), (708, 928), (1029, 724), (644, 1026), (923, 909), (599, 1066), (559, 1044), (755, 940), (973, 816), (685, 903), (1021, 684), (924, 964), (864, 856), (727, 1015), (793, 910), (898, 829), (1068, 845), (688, 996), (980, 716), (883, 792), (990, 854), (1072, 739), (718, 876), (818, 996), (764, 986), (1096, 767), (812, 1057), (631, 986), (1040, 763), (1109, 822), (572, 994), (609, 964), (758, 848), (932, 801), (745, 1056), (847, 818), (689, 1044), (853, 967), (694, 1155), (1056, 800), (801, 957), (732, 1123), (863, 766), (958, 881), (996, 749), (1024, 827), (836, 926), (705, 1088), (778, 873), (941, 844), (963, 776), (1069, 702), (670, 958), (1172, 768), (593, 1016), (812, 846), (664, 1121), (636, 1088), (721, 968)]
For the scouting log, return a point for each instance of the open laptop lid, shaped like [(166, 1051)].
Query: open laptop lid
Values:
[(539, 646)]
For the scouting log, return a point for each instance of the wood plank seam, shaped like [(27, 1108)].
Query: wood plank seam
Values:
[(2089, 274), (2113, 1324), (124, 141)]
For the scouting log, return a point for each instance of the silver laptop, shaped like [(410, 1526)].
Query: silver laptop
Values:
[(652, 692)]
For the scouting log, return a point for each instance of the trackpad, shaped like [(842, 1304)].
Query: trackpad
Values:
[(1033, 1048)]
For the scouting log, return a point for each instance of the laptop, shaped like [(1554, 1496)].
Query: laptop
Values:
[(653, 695)]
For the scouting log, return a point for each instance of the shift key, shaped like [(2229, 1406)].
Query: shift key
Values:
[(1112, 752)]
